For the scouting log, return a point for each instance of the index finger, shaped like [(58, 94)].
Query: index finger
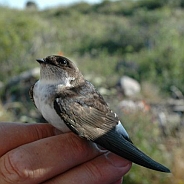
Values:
[(13, 135)]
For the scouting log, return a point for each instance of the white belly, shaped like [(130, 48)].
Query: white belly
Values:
[(46, 107)]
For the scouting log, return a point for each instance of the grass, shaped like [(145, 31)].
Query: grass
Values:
[(146, 136), (5, 116)]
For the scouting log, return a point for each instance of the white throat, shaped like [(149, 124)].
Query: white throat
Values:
[(65, 82)]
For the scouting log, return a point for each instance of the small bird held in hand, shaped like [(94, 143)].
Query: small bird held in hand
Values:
[(71, 103)]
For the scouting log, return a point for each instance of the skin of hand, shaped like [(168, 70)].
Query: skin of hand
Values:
[(39, 153)]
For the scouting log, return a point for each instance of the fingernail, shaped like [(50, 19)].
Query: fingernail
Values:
[(116, 160), (57, 132)]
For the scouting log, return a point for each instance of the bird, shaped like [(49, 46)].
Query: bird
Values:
[(69, 102)]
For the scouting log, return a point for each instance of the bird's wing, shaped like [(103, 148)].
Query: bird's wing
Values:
[(88, 117), (100, 126)]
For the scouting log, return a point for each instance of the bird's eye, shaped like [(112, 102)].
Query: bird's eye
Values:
[(63, 62)]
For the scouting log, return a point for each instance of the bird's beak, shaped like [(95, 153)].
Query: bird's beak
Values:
[(40, 61)]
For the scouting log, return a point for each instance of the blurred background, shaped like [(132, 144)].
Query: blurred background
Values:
[(131, 50)]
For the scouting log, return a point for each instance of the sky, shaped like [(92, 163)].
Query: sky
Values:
[(20, 4)]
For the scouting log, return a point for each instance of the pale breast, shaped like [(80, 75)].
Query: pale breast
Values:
[(43, 98)]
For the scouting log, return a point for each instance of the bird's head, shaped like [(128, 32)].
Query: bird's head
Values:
[(59, 70)]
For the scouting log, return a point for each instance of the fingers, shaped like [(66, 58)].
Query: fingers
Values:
[(40, 160), (35, 156), (104, 169), (16, 134)]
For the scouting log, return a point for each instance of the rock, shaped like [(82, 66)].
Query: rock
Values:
[(176, 93), (129, 86), (15, 95), (127, 106), (130, 106), (24, 76)]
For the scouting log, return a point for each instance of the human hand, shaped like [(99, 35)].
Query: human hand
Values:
[(38, 153)]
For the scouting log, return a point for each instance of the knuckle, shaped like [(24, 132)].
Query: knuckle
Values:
[(12, 170)]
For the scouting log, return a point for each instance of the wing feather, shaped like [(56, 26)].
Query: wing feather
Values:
[(83, 115), (90, 117)]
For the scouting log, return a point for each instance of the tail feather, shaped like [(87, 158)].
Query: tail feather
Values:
[(117, 144)]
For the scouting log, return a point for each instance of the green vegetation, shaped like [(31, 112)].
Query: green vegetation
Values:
[(147, 34)]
